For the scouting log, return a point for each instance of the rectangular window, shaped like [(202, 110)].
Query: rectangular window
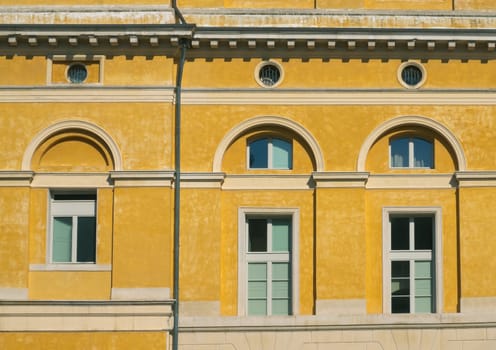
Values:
[(270, 153), (411, 152), (267, 263), (411, 261), (73, 228)]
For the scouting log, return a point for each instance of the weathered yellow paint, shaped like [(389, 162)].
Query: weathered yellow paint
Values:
[(200, 245), (69, 285), (132, 141), (104, 210), (475, 5), (376, 200), (14, 224), (139, 71), (38, 215), (84, 340), (340, 244), (19, 70), (232, 200), (269, 3), (409, 4), (142, 238), (477, 243)]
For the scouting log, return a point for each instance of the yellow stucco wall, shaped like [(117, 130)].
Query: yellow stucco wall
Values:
[(477, 243), (84, 340), (14, 226), (142, 241)]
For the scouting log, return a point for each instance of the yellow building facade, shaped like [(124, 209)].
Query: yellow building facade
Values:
[(266, 174)]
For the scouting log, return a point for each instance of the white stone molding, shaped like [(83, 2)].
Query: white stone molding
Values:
[(147, 178), (267, 182), (199, 308), (340, 179), (412, 120), (15, 178), (476, 178), (478, 305), (202, 180), (46, 133), (100, 59), (70, 267), (298, 129), (140, 293), (13, 293), (411, 181), (86, 94), (341, 307), (63, 316), (70, 180)]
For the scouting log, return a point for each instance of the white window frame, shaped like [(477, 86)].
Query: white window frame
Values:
[(411, 154), (74, 209), (270, 213), (389, 255), (270, 153)]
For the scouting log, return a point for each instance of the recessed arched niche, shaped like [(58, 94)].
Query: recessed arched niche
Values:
[(72, 150)]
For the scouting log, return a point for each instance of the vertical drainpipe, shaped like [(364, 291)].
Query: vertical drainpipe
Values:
[(177, 183)]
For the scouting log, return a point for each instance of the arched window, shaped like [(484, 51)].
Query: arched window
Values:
[(411, 152), (270, 153)]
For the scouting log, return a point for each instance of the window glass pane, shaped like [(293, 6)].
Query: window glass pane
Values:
[(86, 239), (257, 307), (281, 307), (399, 153), (258, 154), (422, 153), (423, 304), (400, 305), (423, 269), (423, 233), (400, 269), (280, 271), (280, 289), (423, 287), (281, 154), (400, 233), (62, 239), (281, 232), (257, 271), (257, 290), (257, 235)]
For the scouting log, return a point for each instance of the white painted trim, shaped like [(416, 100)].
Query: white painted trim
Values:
[(412, 120), (86, 94), (70, 267), (202, 180), (150, 293), (70, 180), (341, 307), (415, 64), (15, 178), (476, 178), (411, 181), (340, 179), (64, 316), (235, 132), (144, 178), (267, 182), (75, 59), (335, 97), (437, 253), (478, 305), (266, 63), (46, 133), (199, 308), (7, 293), (243, 212)]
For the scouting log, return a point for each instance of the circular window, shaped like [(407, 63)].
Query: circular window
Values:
[(411, 75), (269, 74), (77, 73)]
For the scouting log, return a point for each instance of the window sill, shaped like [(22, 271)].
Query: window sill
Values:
[(70, 267)]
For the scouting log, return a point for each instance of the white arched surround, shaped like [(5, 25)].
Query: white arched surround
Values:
[(235, 132), (45, 134), (417, 121)]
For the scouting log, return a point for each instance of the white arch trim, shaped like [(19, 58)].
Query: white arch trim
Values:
[(412, 120), (43, 135), (268, 120)]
